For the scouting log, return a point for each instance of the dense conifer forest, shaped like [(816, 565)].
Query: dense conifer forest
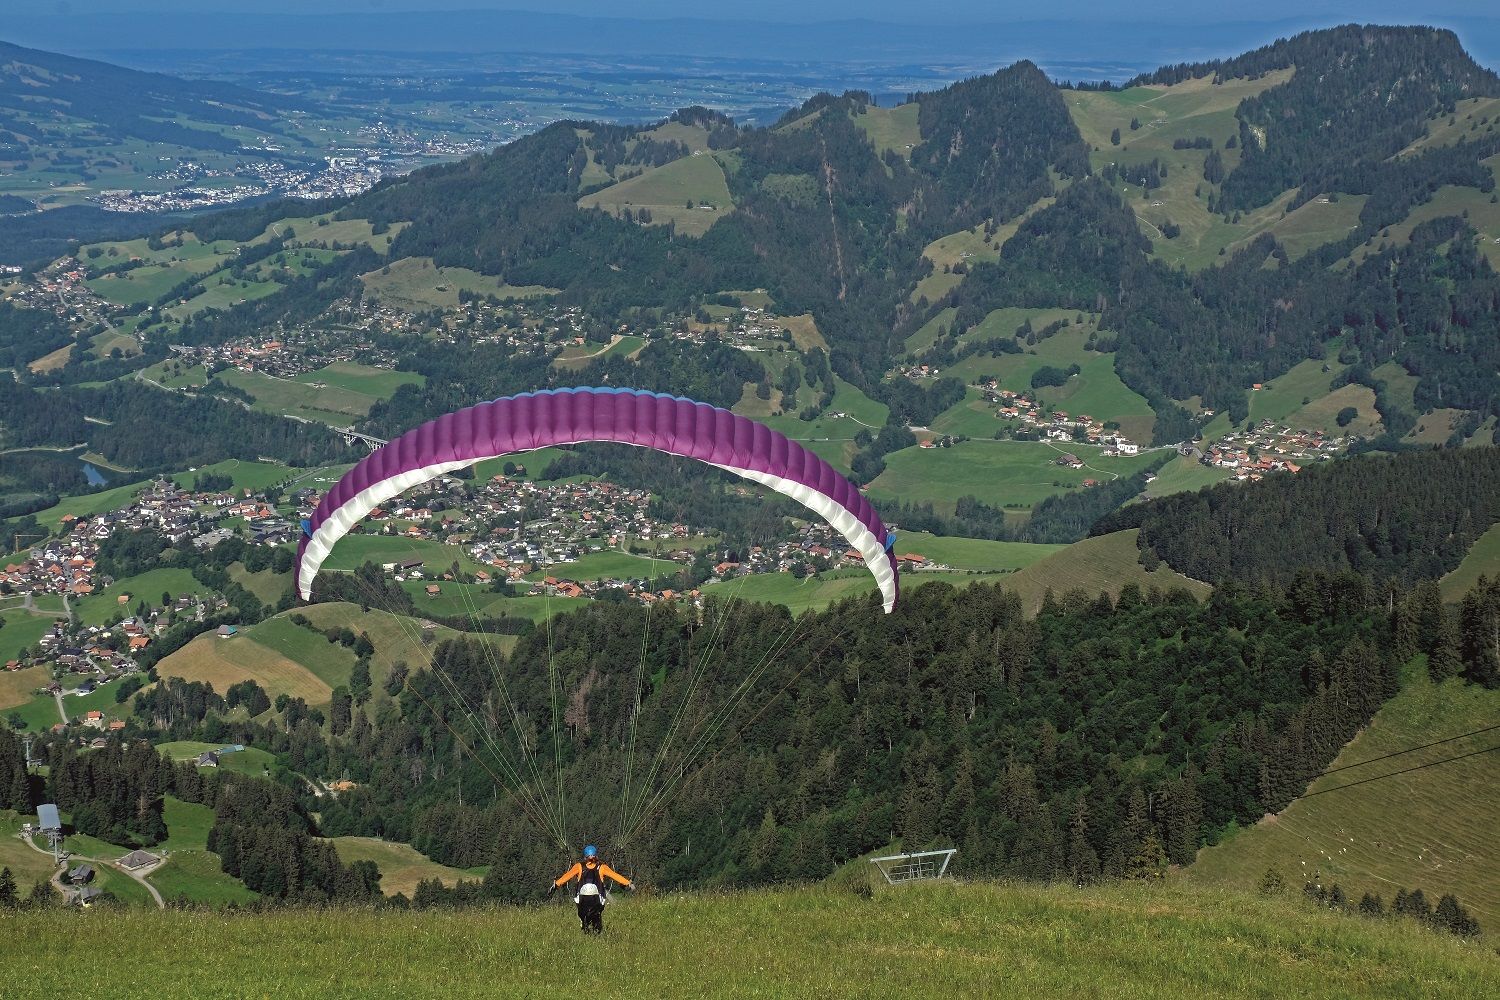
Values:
[(1406, 518)]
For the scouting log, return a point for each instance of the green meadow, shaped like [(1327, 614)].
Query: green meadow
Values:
[(933, 940)]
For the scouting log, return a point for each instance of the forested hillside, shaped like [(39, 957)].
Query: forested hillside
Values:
[(770, 749), (1404, 518), (833, 226)]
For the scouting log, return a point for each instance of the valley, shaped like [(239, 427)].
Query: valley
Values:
[(1096, 479)]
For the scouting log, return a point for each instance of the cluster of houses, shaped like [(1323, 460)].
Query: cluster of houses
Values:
[(1055, 425), (107, 651), (288, 354), (919, 371), (1269, 447)]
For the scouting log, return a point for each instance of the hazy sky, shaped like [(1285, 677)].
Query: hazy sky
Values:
[(1181, 11)]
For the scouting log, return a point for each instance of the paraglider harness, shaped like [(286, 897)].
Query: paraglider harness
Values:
[(591, 893), (591, 898)]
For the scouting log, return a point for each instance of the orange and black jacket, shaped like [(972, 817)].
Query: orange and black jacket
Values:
[(594, 872)]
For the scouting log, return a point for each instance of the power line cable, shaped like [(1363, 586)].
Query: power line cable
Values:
[(1424, 746), (1406, 770)]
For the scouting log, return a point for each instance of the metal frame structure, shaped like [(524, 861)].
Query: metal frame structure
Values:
[(898, 868)]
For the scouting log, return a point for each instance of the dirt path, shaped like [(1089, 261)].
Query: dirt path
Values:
[(68, 892)]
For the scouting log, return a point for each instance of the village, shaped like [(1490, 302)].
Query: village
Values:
[(1029, 419), (509, 531), (1269, 447)]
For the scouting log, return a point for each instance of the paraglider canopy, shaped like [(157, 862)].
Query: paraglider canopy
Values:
[(671, 424)]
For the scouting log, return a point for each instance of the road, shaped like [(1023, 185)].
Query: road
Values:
[(67, 892)]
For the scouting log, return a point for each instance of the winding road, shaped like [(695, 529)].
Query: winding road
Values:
[(67, 892)]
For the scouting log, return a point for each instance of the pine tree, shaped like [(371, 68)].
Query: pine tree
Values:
[(1083, 861), (8, 899), (1371, 906), (42, 894), (1272, 883), (1150, 862)]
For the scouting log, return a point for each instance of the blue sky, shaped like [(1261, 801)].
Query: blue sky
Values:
[(1180, 11)]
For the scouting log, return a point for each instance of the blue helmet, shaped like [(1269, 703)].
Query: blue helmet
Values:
[(591, 851)]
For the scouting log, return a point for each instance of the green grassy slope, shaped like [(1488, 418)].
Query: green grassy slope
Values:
[(941, 940), (1433, 828), (1107, 562), (1483, 560)]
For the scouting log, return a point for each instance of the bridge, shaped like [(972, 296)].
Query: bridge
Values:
[(350, 435)]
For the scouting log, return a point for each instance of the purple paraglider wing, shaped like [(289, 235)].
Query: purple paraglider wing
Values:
[(663, 423)]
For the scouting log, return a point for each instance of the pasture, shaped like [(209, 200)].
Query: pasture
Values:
[(195, 876), (21, 631), (225, 662), (972, 553), (415, 283), (1483, 559), (891, 129), (925, 940), (401, 865), (1322, 413), (102, 606), (1303, 384), (192, 821), (1184, 475), (1105, 563), (1015, 474), (1432, 828), (17, 687), (666, 192)]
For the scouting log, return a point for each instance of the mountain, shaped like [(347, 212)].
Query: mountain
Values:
[(1184, 239), (81, 100)]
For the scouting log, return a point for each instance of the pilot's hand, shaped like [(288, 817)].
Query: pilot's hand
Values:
[(551, 888)]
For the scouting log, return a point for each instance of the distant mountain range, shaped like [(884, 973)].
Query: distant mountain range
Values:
[(1066, 48)]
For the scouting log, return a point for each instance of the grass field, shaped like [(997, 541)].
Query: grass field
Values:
[(414, 283), (1000, 473), (458, 599), (1186, 110), (892, 129), (223, 293), (1283, 396), (98, 608), (1472, 203), (1433, 828), (22, 630), (1094, 565), (223, 662), (1483, 559), (401, 865), (667, 189), (937, 940), (250, 761), (249, 475), (1183, 474), (607, 565), (798, 595), (968, 246), (354, 550), (17, 687), (972, 553), (337, 395), (396, 638), (26, 865), (188, 823), (1322, 413), (268, 585), (1435, 426), (195, 876), (579, 356)]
